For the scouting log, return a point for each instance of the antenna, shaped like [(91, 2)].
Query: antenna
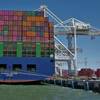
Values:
[(85, 62), (43, 7)]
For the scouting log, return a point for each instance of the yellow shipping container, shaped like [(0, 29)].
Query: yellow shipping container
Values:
[(24, 23), (27, 23)]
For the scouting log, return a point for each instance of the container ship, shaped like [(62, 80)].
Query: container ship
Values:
[(26, 46)]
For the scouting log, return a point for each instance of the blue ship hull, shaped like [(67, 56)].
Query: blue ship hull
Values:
[(44, 69)]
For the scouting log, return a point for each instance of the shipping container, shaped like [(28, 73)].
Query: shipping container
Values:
[(86, 72), (97, 73)]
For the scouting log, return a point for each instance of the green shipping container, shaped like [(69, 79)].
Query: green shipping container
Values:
[(38, 50), (33, 29), (19, 49), (30, 13), (6, 28), (1, 49)]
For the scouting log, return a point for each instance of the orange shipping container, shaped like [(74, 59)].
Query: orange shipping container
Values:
[(35, 18), (30, 18), (39, 18), (31, 34), (51, 25), (46, 35), (18, 13), (29, 24)]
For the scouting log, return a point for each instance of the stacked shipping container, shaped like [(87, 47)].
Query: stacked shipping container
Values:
[(25, 33)]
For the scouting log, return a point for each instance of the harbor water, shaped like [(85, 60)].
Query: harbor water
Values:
[(44, 92)]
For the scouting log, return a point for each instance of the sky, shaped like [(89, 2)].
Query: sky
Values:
[(84, 10)]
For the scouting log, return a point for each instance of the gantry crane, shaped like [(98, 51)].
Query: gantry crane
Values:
[(69, 29)]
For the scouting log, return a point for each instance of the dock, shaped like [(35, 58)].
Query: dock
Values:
[(87, 85)]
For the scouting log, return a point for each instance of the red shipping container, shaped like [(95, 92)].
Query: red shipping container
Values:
[(1, 23), (86, 72), (1, 38), (97, 72)]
